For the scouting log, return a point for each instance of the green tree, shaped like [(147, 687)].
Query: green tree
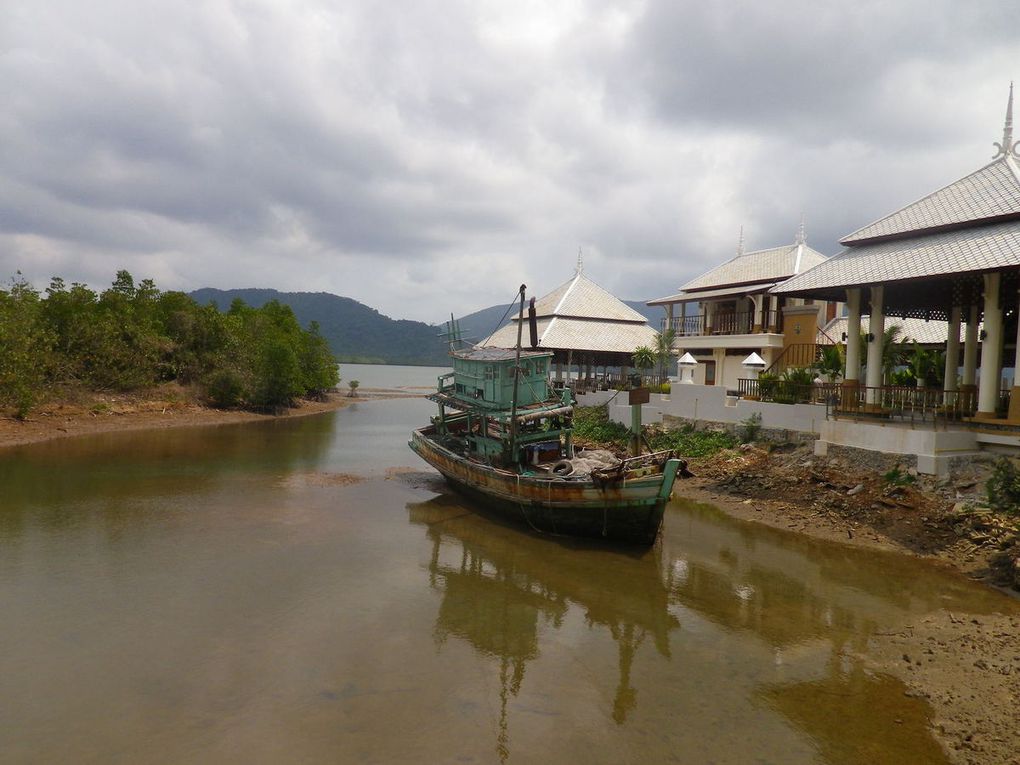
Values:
[(663, 351), (25, 347), (643, 357)]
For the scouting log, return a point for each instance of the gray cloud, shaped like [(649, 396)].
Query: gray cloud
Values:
[(427, 157)]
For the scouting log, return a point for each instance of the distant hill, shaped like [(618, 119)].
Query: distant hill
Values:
[(479, 325), (355, 332)]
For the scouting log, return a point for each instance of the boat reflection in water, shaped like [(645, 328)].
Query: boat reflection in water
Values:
[(774, 640), (498, 595)]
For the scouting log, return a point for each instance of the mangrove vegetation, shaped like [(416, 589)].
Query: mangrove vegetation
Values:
[(130, 337)]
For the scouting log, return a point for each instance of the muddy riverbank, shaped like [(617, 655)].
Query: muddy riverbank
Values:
[(167, 406), (967, 669)]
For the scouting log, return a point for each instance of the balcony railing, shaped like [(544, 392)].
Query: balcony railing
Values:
[(741, 323), (896, 403)]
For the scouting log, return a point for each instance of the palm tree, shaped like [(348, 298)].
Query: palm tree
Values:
[(663, 351), (893, 349), (643, 357)]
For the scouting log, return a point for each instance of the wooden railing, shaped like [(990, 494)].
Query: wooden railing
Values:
[(740, 323), (785, 392), (904, 403)]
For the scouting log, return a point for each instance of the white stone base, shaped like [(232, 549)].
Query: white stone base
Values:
[(934, 449)]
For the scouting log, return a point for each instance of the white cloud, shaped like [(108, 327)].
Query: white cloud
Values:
[(423, 157)]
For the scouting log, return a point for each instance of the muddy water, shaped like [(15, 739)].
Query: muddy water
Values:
[(278, 593)]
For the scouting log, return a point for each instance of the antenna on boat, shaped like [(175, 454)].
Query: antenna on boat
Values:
[(517, 377), (453, 335)]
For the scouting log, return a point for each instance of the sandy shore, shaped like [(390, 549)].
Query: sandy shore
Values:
[(967, 669), (169, 406)]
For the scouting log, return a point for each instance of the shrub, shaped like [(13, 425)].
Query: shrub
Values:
[(225, 388), (897, 477), (750, 428), (1003, 487)]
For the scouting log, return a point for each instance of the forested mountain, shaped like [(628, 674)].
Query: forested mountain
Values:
[(355, 332)]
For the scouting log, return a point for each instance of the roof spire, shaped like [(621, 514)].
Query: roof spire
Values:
[(1007, 148), (801, 232), (580, 264), (740, 243)]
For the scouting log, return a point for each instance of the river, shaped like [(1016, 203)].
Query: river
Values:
[(306, 591)]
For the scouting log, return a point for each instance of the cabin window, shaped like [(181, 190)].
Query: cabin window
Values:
[(491, 373)]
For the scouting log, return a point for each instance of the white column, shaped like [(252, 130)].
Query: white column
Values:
[(1014, 396), (669, 317), (756, 310), (853, 334), (991, 349), (952, 350), (876, 332), (970, 348)]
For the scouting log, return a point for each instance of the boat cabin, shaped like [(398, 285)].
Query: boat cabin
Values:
[(484, 377), (488, 424)]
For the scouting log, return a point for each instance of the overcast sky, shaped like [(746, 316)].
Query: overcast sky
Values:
[(426, 157)]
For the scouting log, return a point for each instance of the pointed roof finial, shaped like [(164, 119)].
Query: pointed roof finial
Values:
[(1007, 148), (740, 243), (801, 232), (580, 264)]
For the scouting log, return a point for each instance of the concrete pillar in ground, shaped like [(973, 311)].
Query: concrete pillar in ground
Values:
[(876, 333), (559, 371), (853, 336), (991, 350), (968, 388), (952, 350), (1014, 395)]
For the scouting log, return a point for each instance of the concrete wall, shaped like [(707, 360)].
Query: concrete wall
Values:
[(933, 450), (709, 403)]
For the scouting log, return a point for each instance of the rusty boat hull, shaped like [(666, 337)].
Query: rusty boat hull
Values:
[(628, 508)]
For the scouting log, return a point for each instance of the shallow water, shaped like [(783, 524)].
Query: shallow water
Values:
[(232, 593)]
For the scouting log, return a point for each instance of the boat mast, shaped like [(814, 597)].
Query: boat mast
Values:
[(517, 375)]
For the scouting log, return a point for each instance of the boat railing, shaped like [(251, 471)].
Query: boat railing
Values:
[(445, 384), (640, 461)]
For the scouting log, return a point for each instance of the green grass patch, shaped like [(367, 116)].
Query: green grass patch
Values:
[(592, 423)]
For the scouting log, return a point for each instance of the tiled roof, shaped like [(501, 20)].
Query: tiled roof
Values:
[(580, 335), (980, 248), (581, 297), (990, 192), (925, 332), (770, 265), (689, 297)]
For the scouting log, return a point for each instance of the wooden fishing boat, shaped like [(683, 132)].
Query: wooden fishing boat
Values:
[(503, 437)]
